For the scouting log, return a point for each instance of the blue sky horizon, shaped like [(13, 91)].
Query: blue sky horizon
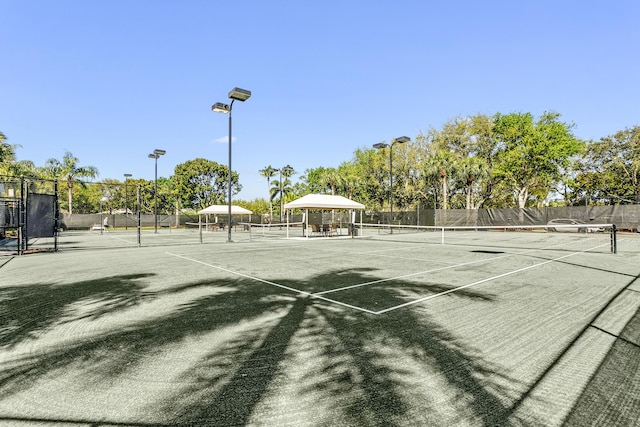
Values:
[(112, 81)]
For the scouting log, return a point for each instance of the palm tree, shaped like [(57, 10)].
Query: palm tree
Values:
[(68, 168), (440, 166), (470, 170), (282, 187), (269, 172), (331, 177), (350, 178), (6, 151)]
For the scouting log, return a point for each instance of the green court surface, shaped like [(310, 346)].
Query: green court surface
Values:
[(268, 331)]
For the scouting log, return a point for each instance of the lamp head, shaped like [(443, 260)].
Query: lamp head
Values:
[(153, 156), (220, 107), (239, 94), (380, 145), (159, 152), (127, 175), (401, 140)]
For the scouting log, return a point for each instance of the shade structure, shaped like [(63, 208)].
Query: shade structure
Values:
[(224, 209), (323, 201)]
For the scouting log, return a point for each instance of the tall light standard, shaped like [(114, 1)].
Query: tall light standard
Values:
[(236, 94), (156, 153), (126, 204), (380, 145)]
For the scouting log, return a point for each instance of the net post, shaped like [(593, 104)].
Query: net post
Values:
[(614, 240), (442, 234), (139, 215), (200, 227)]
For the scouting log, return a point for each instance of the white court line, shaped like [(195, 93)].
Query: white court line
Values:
[(410, 274), (273, 284), (440, 269), (386, 310), (124, 240)]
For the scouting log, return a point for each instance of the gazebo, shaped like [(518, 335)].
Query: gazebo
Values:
[(324, 202), (222, 210)]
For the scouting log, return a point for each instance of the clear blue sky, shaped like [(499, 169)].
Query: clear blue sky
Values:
[(111, 80)]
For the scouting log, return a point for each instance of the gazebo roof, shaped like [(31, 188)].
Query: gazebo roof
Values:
[(323, 201), (224, 209)]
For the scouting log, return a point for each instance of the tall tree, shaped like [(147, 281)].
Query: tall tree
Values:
[(617, 160), (312, 178), (7, 152), (350, 178), (200, 183), (269, 172), (9, 165), (69, 170), (440, 167), (469, 171), (533, 153), (331, 178), (283, 187)]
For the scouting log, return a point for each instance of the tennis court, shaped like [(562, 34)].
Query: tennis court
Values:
[(384, 329)]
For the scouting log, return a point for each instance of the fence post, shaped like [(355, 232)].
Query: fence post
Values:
[(22, 225), (57, 217)]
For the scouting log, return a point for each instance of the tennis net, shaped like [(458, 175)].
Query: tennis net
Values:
[(272, 231), (571, 237)]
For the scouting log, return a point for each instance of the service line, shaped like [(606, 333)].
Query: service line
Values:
[(278, 285), (509, 273)]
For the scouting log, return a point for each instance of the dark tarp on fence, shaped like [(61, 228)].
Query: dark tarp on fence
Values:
[(41, 215), (625, 217)]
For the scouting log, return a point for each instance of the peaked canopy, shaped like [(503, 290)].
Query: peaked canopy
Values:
[(224, 209), (323, 201)]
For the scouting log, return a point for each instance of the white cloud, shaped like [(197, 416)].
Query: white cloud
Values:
[(224, 140)]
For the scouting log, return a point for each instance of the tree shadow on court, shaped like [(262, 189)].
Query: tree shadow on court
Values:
[(108, 355), (612, 396), (360, 383), (371, 360), (246, 337), (29, 310)]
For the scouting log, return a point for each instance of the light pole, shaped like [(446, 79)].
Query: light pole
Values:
[(380, 145), (241, 95), (156, 153), (126, 204)]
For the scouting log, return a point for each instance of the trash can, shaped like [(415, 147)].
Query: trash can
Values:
[(352, 229)]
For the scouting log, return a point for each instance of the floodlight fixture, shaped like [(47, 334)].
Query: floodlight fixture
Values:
[(380, 145), (401, 140), (127, 175), (159, 152), (239, 94), (236, 94), (220, 107)]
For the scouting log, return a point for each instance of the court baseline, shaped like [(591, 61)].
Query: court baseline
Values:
[(319, 295)]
